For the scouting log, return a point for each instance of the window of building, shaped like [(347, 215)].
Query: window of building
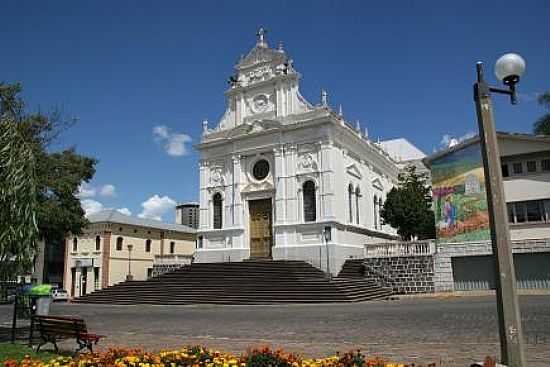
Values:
[(505, 172), (96, 278), (531, 166), (199, 242), (97, 243), (218, 204), (119, 243), (172, 247), (120, 229), (350, 202), (533, 211), (148, 245), (510, 207), (517, 168), (357, 196), (310, 205), (260, 169), (75, 244), (545, 164), (149, 273)]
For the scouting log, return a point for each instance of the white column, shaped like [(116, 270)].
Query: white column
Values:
[(291, 189), (327, 194), (237, 183), (279, 176), (204, 222)]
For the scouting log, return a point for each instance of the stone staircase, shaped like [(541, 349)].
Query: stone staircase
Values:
[(250, 282)]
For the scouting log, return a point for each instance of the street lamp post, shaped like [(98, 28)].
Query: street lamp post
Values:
[(130, 276), (508, 68)]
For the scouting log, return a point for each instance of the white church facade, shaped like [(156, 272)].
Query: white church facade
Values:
[(281, 178)]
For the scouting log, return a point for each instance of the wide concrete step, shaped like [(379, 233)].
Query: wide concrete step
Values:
[(240, 283)]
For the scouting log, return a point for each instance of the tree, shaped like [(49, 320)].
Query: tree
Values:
[(408, 207), (18, 205), (542, 125), (58, 175)]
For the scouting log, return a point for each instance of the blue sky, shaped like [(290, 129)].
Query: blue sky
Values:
[(124, 68)]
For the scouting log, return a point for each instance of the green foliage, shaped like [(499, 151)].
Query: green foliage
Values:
[(43, 182), (542, 125), (408, 207), (265, 357), (18, 230), (19, 351)]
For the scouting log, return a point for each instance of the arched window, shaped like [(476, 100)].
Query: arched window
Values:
[(357, 196), (148, 245), (75, 244), (218, 208), (350, 202), (375, 212), (310, 205), (119, 242), (97, 243)]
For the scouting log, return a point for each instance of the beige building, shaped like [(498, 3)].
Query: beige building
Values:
[(116, 247)]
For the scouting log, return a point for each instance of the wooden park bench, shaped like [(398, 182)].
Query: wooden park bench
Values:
[(55, 328)]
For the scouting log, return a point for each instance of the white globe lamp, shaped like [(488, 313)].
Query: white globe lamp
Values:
[(509, 68)]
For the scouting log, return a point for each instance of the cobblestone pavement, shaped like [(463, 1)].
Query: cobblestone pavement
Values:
[(453, 331)]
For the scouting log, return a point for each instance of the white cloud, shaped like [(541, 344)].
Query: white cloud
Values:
[(107, 190), (85, 191), (124, 211), (174, 144), (156, 206), (91, 206), (160, 132), (448, 140)]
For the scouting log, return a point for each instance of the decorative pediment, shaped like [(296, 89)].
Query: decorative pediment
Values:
[(307, 163), (258, 187), (261, 55), (377, 184), (251, 127), (217, 177), (354, 171)]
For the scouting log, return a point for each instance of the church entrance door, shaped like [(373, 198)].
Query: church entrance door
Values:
[(261, 238)]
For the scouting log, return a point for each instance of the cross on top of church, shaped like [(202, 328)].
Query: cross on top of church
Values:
[(261, 34)]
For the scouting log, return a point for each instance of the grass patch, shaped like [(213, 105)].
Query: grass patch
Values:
[(19, 351)]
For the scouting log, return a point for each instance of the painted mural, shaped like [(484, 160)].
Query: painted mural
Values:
[(459, 197)]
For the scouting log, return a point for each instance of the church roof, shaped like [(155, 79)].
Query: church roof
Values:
[(401, 150), (114, 216)]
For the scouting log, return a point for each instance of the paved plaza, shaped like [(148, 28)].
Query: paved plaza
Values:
[(451, 330)]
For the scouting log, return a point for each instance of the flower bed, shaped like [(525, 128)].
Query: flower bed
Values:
[(202, 357)]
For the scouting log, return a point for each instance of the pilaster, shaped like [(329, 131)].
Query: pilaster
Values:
[(280, 190), (291, 157), (106, 259), (204, 222), (327, 195)]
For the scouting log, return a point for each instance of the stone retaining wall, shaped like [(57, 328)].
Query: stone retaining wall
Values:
[(405, 274), (159, 269)]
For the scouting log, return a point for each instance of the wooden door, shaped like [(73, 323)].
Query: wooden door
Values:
[(260, 228)]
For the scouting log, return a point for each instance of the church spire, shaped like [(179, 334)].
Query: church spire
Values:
[(261, 37)]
